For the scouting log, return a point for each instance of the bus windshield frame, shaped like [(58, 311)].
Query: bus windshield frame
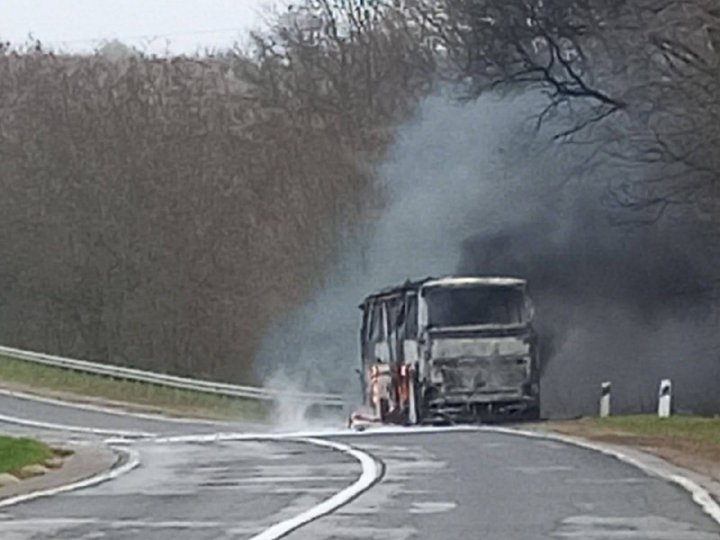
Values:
[(476, 305)]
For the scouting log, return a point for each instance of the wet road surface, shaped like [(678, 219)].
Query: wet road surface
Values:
[(456, 485), (189, 491), (493, 486)]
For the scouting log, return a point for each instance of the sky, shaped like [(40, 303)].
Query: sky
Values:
[(156, 26)]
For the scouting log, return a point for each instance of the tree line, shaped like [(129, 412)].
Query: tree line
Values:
[(161, 212)]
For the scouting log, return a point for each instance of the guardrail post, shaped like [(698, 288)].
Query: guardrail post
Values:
[(665, 398), (605, 399)]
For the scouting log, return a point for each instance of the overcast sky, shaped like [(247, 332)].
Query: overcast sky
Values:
[(153, 25)]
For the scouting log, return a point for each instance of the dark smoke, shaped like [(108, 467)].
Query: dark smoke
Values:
[(475, 189), (612, 304)]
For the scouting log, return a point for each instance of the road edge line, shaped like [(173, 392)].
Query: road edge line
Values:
[(372, 471), (77, 429), (132, 460), (699, 494), (229, 436)]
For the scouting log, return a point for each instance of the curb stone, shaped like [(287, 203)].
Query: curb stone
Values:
[(8, 479)]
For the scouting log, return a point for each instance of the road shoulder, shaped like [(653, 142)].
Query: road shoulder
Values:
[(653, 453)]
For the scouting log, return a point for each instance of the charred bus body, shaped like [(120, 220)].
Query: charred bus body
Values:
[(455, 348)]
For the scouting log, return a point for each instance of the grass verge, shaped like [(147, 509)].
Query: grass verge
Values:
[(677, 430), (17, 452), (67, 384), (700, 429)]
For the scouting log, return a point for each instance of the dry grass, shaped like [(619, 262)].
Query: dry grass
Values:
[(677, 430)]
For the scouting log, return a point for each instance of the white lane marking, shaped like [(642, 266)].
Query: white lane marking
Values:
[(397, 430), (132, 461), (371, 473), (529, 469), (432, 507), (170, 524), (109, 410), (117, 436), (78, 429), (288, 479), (37, 524), (699, 494), (319, 434)]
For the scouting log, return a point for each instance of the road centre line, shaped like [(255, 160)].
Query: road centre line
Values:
[(372, 471)]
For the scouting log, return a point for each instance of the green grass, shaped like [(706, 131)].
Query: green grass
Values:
[(16, 452), (38, 377), (696, 428)]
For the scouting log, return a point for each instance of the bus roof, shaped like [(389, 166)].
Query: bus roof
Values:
[(447, 281), (453, 281)]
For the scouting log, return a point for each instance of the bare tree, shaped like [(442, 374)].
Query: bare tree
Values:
[(636, 77), (163, 212)]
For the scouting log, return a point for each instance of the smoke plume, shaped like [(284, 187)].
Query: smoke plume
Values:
[(475, 189)]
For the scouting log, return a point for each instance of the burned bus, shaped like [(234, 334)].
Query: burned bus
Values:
[(450, 349)]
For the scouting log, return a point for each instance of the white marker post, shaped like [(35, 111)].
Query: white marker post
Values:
[(605, 399), (665, 398)]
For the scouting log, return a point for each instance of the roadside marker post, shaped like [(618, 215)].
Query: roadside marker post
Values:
[(665, 398), (605, 399)]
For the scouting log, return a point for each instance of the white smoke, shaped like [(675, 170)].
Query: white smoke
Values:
[(475, 189), (432, 202)]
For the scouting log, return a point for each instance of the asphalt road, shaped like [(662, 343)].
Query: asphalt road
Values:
[(89, 418), (492, 486), (449, 485), (189, 491)]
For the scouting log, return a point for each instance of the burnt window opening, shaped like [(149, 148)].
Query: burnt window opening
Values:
[(365, 326), (411, 318), (396, 314), (465, 306), (377, 330)]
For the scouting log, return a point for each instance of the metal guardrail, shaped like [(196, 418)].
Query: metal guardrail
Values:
[(172, 381)]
